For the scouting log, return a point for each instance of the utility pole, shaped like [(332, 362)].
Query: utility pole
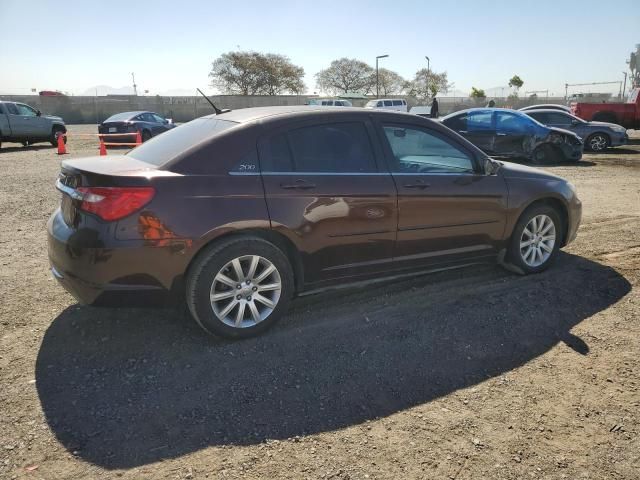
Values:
[(428, 73), (135, 87), (624, 89), (378, 76)]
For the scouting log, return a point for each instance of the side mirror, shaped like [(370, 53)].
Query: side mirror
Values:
[(38, 113), (574, 122), (491, 167)]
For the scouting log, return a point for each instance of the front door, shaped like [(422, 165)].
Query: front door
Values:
[(513, 134), (326, 192), (448, 209), (33, 124)]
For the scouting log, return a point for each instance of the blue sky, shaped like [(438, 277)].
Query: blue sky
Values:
[(170, 44)]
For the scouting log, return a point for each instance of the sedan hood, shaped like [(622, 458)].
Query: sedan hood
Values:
[(515, 170), (605, 124), (563, 131)]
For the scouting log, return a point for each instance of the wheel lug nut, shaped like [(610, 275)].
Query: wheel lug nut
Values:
[(249, 298), (238, 297), (248, 282), (238, 286), (255, 289)]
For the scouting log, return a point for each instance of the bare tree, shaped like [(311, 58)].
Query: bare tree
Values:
[(427, 83), (346, 75), (253, 73), (390, 82)]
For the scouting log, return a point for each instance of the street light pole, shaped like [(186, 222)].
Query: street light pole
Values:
[(428, 73), (624, 89), (377, 75)]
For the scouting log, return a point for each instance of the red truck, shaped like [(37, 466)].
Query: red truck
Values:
[(625, 114)]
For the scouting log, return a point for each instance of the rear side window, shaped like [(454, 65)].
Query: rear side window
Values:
[(388, 103), (163, 148), (397, 102), (330, 148), (11, 108)]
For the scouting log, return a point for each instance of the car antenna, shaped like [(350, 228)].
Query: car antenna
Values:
[(215, 109)]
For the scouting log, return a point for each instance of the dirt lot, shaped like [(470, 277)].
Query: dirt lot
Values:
[(468, 374)]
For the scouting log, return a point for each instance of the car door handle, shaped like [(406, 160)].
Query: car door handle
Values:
[(419, 184), (502, 134), (298, 185), (462, 131)]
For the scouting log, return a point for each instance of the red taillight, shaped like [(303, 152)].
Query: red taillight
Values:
[(114, 203)]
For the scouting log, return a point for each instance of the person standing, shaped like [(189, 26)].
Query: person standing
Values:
[(434, 108), (491, 104)]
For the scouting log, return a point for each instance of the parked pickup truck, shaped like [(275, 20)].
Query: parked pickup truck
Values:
[(21, 123), (625, 114)]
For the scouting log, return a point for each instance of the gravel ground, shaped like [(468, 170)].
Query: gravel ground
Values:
[(468, 374)]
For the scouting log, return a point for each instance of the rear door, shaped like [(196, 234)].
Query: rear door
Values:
[(326, 192), (448, 209)]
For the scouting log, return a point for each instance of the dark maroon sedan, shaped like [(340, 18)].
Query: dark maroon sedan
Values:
[(239, 212)]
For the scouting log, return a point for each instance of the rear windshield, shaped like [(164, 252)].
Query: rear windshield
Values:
[(159, 150), (120, 117)]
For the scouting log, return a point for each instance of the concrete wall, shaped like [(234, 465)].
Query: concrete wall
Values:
[(182, 109)]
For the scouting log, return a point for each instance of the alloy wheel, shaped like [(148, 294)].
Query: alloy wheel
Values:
[(245, 291), (537, 240), (597, 143)]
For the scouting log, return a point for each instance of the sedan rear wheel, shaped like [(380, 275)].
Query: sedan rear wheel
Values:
[(240, 287), (536, 239), (598, 142)]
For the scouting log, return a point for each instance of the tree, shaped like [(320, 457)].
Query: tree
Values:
[(280, 75), (346, 75), (477, 93), (390, 82), (427, 83), (516, 82), (253, 73)]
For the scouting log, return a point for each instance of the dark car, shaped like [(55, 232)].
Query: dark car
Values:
[(598, 135), (546, 106), (239, 212), (512, 134), (149, 125)]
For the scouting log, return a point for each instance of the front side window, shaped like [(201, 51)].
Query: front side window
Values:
[(559, 119), (329, 148), (26, 110), (388, 103), (419, 151), (508, 122), (479, 121), (397, 102), (157, 118), (380, 104)]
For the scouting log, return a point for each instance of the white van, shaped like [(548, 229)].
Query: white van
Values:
[(396, 104), (330, 102)]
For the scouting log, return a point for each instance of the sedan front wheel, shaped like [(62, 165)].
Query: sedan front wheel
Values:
[(536, 239)]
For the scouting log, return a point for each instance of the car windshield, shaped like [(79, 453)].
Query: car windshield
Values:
[(371, 103), (163, 148)]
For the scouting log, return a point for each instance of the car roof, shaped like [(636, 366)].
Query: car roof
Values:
[(486, 109), (545, 110), (245, 115)]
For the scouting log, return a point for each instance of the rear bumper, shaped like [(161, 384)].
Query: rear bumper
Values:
[(89, 264)]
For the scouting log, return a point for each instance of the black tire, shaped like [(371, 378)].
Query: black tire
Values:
[(146, 135), (210, 262), (515, 253), (598, 142), (55, 131), (545, 154)]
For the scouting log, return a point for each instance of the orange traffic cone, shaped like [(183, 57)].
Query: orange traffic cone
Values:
[(103, 148), (62, 148), (138, 138)]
